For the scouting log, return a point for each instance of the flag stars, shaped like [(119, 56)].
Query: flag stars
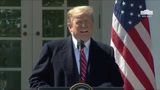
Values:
[(129, 22), (132, 5), (115, 1), (139, 15), (131, 13), (140, 6), (122, 11), (123, 3)]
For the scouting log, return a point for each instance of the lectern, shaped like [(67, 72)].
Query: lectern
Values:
[(94, 88), (81, 86)]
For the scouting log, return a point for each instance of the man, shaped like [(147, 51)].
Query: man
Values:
[(59, 64)]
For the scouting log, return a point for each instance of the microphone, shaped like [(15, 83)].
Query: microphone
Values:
[(80, 44)]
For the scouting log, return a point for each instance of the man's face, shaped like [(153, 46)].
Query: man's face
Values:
[(81, 27)]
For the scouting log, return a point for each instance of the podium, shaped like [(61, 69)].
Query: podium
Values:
[(93, 88), (83, 86)]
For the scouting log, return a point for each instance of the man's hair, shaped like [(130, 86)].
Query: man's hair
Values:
[(79, 10)]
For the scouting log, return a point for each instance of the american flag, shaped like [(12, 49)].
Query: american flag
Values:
[(131, 40)]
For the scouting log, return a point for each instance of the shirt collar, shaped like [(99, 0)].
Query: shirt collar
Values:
[(75, 42)]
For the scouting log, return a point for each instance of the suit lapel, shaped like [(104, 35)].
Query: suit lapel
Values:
[(70, 62), (91, 59)]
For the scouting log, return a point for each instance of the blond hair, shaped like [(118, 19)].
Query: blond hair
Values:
[(78, 10)]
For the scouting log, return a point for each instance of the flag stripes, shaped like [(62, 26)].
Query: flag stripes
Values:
[(133, 55), (131, 80)]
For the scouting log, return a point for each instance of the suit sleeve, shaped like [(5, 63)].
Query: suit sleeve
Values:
[(116, 78), (43, 73)]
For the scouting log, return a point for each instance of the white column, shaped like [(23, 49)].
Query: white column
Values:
[(155, 34), (26, 45), (106, 20)]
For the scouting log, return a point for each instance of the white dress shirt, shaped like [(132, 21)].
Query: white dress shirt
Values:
[(77, 52)]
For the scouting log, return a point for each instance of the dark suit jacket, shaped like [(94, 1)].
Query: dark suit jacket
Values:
[(57, 66)]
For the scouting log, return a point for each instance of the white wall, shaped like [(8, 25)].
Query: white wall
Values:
[(106, 20), (155, 34)]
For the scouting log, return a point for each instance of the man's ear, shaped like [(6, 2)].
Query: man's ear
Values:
[(69, 27)]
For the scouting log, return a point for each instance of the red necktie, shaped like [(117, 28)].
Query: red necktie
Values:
[(83, 65)]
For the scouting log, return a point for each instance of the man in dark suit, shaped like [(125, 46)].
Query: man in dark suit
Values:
[(59, 64)]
